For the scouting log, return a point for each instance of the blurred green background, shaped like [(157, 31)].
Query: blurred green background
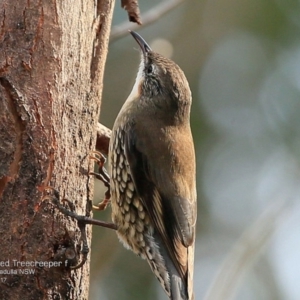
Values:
[(242, 60)]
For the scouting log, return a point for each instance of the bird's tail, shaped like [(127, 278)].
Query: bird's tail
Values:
[(163, 268)]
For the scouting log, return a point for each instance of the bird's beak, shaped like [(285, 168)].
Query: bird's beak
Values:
[(142, 43)]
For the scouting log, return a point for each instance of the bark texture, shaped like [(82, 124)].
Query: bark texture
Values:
[(52, 56)]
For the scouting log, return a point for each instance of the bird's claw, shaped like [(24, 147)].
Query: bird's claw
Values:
[(103, 176)]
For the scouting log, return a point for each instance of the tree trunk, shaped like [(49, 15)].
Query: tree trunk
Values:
[(52, 56)]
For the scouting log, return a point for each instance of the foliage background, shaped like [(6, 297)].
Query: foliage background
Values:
[(242, 59)]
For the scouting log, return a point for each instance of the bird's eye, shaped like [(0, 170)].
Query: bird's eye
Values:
[(149, 69)]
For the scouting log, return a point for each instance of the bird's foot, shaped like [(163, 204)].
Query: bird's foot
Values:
[(103, 176)]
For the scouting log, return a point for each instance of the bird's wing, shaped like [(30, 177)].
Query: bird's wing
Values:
[(164, 180)]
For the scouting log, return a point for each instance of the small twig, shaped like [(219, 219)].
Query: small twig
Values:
[(82, 221), (80, 218), (147, 18), (245, 252)]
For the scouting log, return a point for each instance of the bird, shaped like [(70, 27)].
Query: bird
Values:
[(152, 167)]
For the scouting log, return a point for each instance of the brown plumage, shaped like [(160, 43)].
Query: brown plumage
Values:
[(153, 173)]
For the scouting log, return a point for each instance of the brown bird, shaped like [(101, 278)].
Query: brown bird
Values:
[(152, 163)]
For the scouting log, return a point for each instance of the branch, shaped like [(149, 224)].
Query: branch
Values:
[(82, 221), (245, 252), (103, 137), (149, 17), (133, 10)]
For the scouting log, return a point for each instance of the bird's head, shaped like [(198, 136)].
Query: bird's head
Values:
[(160, 81)]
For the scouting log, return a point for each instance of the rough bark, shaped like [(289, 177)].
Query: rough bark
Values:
[(52, 56)]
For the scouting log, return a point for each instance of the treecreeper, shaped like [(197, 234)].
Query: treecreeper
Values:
[(152, 167)]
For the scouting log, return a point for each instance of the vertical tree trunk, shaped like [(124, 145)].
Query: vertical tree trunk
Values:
[(52, 56)]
